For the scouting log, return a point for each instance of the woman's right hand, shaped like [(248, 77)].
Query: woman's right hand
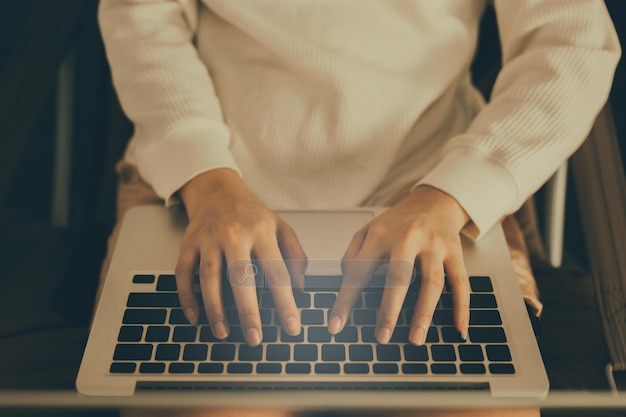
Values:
[(227, 223)]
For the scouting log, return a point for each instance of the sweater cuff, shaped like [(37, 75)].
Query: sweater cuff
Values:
[(480, 184), (172, 162)]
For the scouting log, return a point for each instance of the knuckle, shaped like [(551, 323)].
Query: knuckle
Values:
[(249, 316), (387, 319), (421, 318)]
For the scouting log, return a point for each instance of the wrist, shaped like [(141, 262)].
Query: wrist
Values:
[(206, 185), (443, 203)]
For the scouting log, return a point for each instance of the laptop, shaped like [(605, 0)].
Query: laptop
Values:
[(141, 342)]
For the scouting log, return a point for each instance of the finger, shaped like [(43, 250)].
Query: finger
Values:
[(185, 271), (293, 254), (429, 294), (243, 284), (353, 248), (277, 279), (210, 269), (459, 284), (397, 282)]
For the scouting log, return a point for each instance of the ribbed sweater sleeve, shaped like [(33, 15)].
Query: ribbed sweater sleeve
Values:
[(166, 91), (558, 62)]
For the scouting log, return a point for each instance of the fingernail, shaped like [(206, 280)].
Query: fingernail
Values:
[(192, 316), (292, 326), (334, 325), (418, 336), (219, 330), (464, 335), (384, 335), (253, 336)]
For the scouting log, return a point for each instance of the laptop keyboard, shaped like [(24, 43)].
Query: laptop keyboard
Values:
[(156, 338)]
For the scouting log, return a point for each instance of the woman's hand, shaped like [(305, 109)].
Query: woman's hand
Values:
[(227, 223), (425, 224)]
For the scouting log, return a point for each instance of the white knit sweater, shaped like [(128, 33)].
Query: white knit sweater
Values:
[(339, 103)]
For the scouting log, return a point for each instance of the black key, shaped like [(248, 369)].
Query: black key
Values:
[(284, 337), (270, 334), (122, 368), (152, 368), (124, 352), (312, 316), (472, 368), (387, 353), (206, 335), (324, 300), (360, 353), (167, 352), (235, 335), (327, 368), (483, 301), (356, 368), (250, 353), (232, 316), (269, 368), (368, 334), (443, 353), (385, 368), (485, 317), (372, 299), (400, 334), (303, 299), (414, 368), (481, 284), (367, 317), (432, 336), (322, 282), (196, 352), (443, 368), (267, 301), (318, 334), (501, 368), (152, 299), (298, 368), (266, 316), (487, 335), (157, 334), (451, 335), (130, 334), (143, 279), (414, 353), (408, 315), (166, 282), (305, 353), (278, 353), (410, 299), (443, 318), (498, 353), (446, 301), (239, 368), (177, 316), (210, 368), (222, 352), (348, 334), (333, 353), (471, 353), (181, 368), (184, 334), (144, 316)]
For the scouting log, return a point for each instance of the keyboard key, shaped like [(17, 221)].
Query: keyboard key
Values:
[(250, 353), (122, 368), (269, 368), (498, 353), (348, 334), (239, 368), (222, 352), (481, 284), (414, 353), (501, 368), (324, 300), (210, 368), (303, 299), (152, 368), (473, 368), (372, 299), (206, 335), (443, 318), (298, 368), (487, 335), (197, 352), (451, 335), (152, 299), (360, 353), (327, 368), (443, 368), (312, 316), (143, 279), (400, 334), (184, 334), (125, 352), (177, 316), (166, 282), (232, 316), (368, 334), (266, 316), (181, 368), (485, 317), (322, 282), (333, 353), (144, 316), (414, 368), (305, 353), (235, 335), (385, 368), (443, 353), (278, 353), (267, 301), (388, 353), (167, 352), (483, 301), (356, 368), (367, 317), (471, 353), (270, 334), (157, 334), (130, 334), (432, 336), (446, 301), (318, 334), (285, 338)]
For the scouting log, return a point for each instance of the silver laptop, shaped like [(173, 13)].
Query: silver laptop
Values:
[(140, 340)]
